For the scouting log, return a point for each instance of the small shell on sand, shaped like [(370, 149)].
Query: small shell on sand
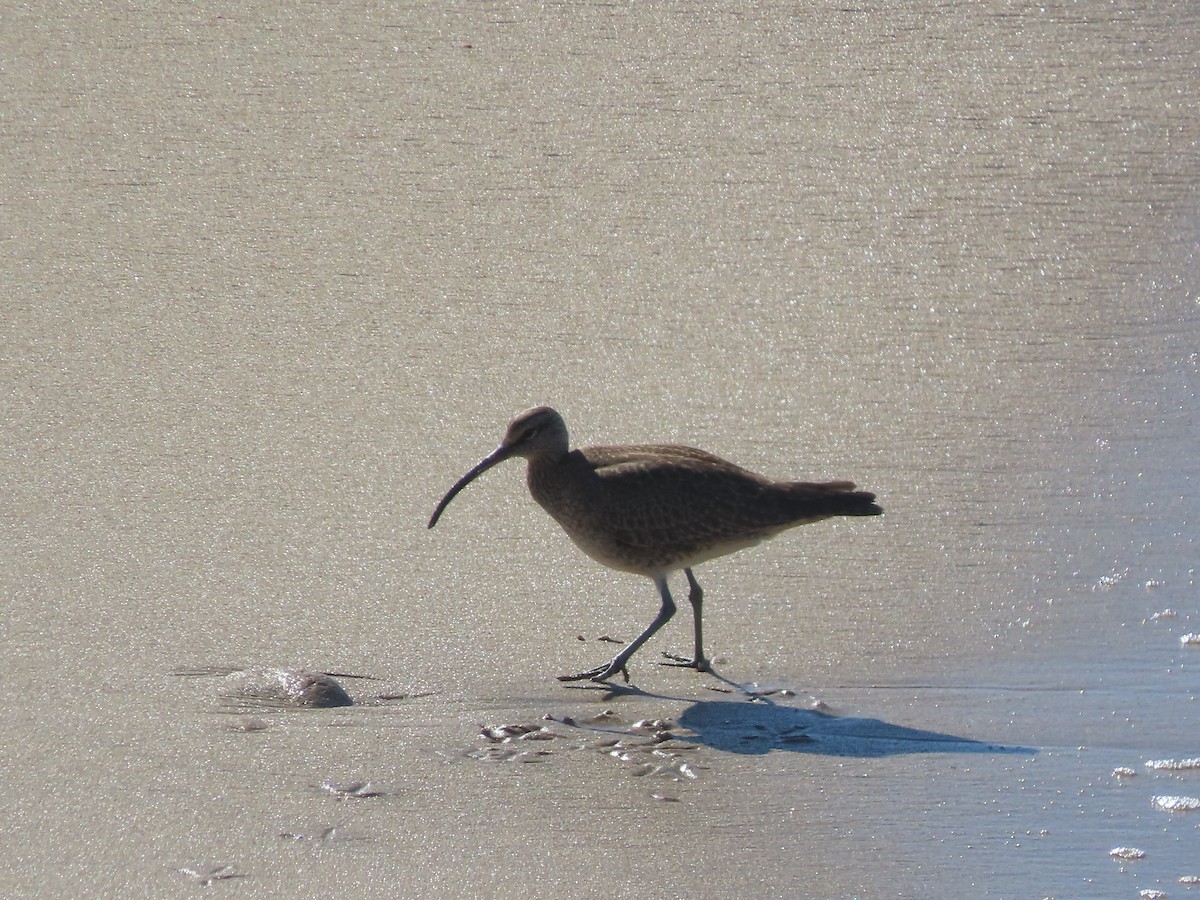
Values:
[(359, 790), (206, 876), (504, 733)]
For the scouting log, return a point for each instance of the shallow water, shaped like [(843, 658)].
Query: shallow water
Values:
[(274, 280)]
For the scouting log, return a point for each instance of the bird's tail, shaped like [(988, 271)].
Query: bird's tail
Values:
[(835, 498)]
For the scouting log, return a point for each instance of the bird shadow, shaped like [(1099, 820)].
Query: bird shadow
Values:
[(762, 725), (758, 728)]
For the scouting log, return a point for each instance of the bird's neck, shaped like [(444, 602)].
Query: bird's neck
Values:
[(549, 477)]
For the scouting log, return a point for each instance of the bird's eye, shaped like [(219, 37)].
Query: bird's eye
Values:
[(530, 433)]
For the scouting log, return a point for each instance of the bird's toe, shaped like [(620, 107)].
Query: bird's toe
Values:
[(701, 664), (600, 673)]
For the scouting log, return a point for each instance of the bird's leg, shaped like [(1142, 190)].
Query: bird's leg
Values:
[(608, 670), (699, 661)]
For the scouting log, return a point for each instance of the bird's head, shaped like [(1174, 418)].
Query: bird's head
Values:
[(536, 432)]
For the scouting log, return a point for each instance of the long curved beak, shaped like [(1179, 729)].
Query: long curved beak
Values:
[(499, 455)]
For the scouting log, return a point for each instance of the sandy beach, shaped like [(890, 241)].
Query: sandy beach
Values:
[(276, 277)]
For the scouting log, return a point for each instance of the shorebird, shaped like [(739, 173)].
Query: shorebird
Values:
[(653, 509)]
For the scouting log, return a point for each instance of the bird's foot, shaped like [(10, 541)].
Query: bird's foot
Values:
[(600, 673), (686, 662)]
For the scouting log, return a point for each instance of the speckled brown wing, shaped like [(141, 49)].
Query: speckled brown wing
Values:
[(668, 505)]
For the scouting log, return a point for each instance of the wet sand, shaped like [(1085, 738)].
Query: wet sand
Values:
[(272, 282)]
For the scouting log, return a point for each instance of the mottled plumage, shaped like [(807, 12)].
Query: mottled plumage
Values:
[(654, 509)]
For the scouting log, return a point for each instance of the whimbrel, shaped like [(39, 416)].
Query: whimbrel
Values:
[(653, 509)]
